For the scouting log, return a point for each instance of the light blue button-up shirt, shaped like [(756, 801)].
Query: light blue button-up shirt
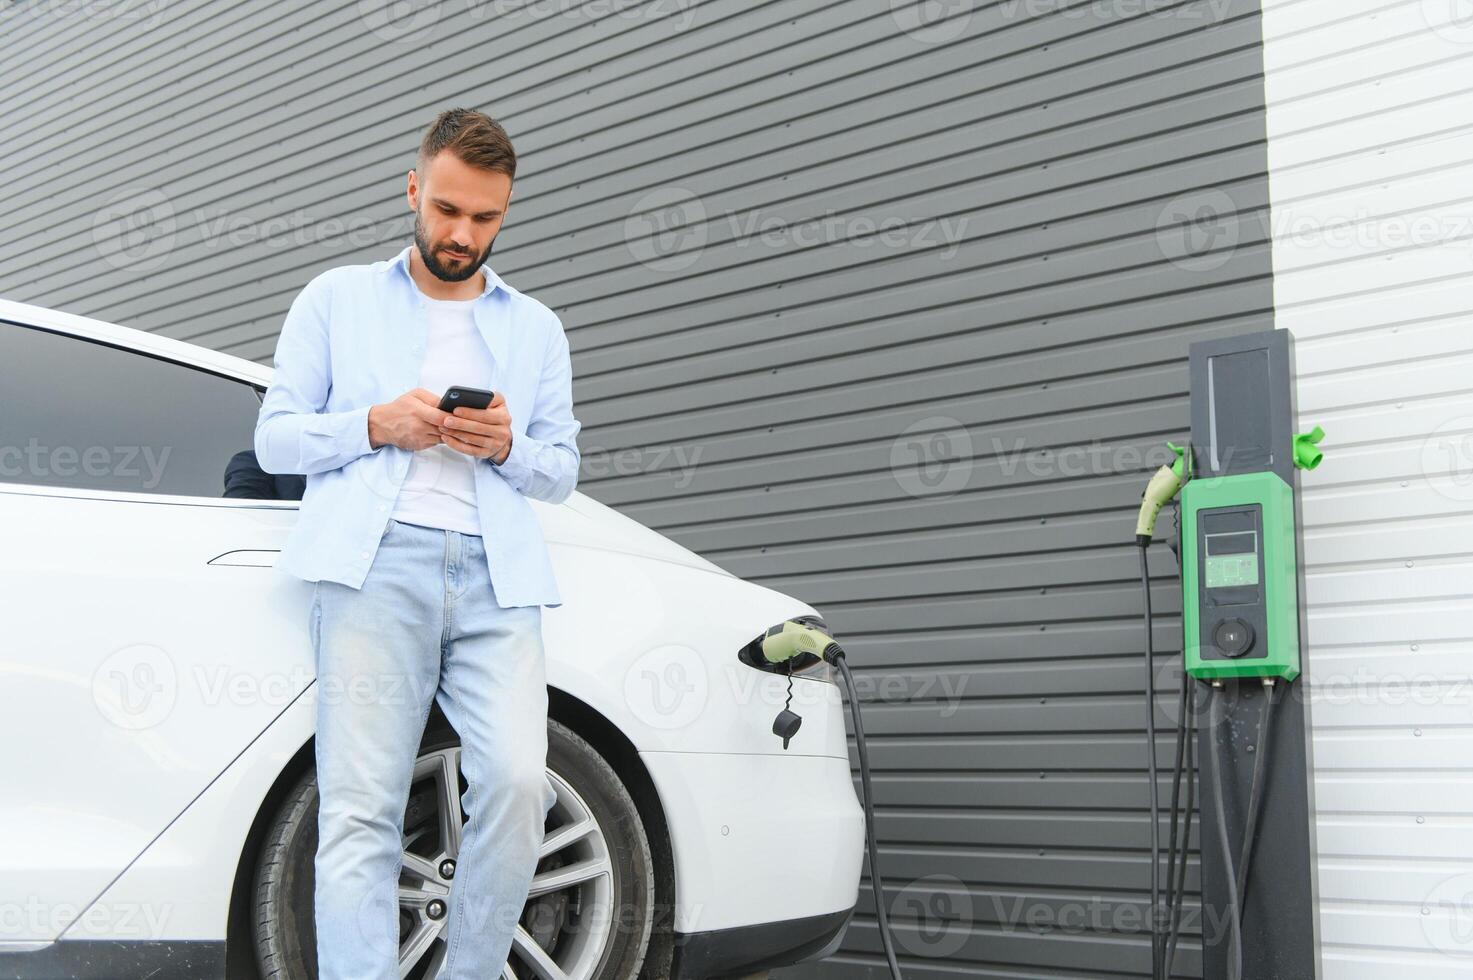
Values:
[(355, 337)]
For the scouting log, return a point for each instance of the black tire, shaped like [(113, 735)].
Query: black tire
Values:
[(283, 932)]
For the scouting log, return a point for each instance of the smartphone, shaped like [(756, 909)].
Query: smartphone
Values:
[(460, 396)]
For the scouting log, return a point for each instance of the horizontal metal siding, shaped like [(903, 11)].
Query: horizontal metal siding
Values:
[(1370, 143), (756, 404)]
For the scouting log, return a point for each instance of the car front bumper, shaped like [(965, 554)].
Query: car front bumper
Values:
[(760, 842)]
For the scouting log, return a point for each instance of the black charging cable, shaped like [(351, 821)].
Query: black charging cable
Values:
[(1234, 909), (834, 654), (1255, 795), (1184, 771), (1176, 861), (1237, 873), (1155, 812)]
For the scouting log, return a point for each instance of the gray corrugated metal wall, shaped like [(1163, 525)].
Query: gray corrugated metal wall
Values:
[(974, 242)]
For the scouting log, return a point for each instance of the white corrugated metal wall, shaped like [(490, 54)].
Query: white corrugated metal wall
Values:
[(1370, 121)]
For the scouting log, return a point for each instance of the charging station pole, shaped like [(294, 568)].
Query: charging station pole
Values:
[(1244, 637)]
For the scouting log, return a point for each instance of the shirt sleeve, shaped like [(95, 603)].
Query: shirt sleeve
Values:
[(293, 433), (543, 463)]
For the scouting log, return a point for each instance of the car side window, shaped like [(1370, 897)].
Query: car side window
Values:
[(82, 414)]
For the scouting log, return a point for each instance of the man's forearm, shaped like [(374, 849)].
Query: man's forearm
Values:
[(541, 470), (312, 442)]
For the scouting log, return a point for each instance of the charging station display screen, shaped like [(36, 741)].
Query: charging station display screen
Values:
[(1232, 559)]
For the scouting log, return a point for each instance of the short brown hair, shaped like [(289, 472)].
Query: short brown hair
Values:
[(472, 136)]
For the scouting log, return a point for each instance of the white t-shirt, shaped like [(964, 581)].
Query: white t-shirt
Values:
[(440, 487)]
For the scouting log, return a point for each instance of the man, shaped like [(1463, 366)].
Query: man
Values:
[(430, 566)]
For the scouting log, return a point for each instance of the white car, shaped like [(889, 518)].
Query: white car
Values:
[(157, 801)]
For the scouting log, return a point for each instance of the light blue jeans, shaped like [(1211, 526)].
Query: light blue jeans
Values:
[(425, 626)]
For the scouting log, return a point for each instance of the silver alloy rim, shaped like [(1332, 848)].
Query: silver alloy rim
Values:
[(578, 869)]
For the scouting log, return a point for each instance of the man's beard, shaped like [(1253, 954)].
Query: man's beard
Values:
[(439, 269)]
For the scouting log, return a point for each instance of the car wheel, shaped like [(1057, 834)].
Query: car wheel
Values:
[(591, 907)]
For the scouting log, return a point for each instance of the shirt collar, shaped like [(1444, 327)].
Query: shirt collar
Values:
[(401, 263)]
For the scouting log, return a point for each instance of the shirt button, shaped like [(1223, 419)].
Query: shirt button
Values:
[(383, 506), (363, 555)]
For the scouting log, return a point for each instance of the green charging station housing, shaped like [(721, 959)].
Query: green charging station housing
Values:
[(1240, 526), (1240, 563)]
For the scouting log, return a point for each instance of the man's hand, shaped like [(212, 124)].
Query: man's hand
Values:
[(411, 421), (481, 432)]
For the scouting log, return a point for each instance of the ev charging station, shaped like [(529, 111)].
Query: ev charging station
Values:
[(1242, 717), (1244, 649)]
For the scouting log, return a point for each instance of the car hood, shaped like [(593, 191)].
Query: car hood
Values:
[(600, 526)]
